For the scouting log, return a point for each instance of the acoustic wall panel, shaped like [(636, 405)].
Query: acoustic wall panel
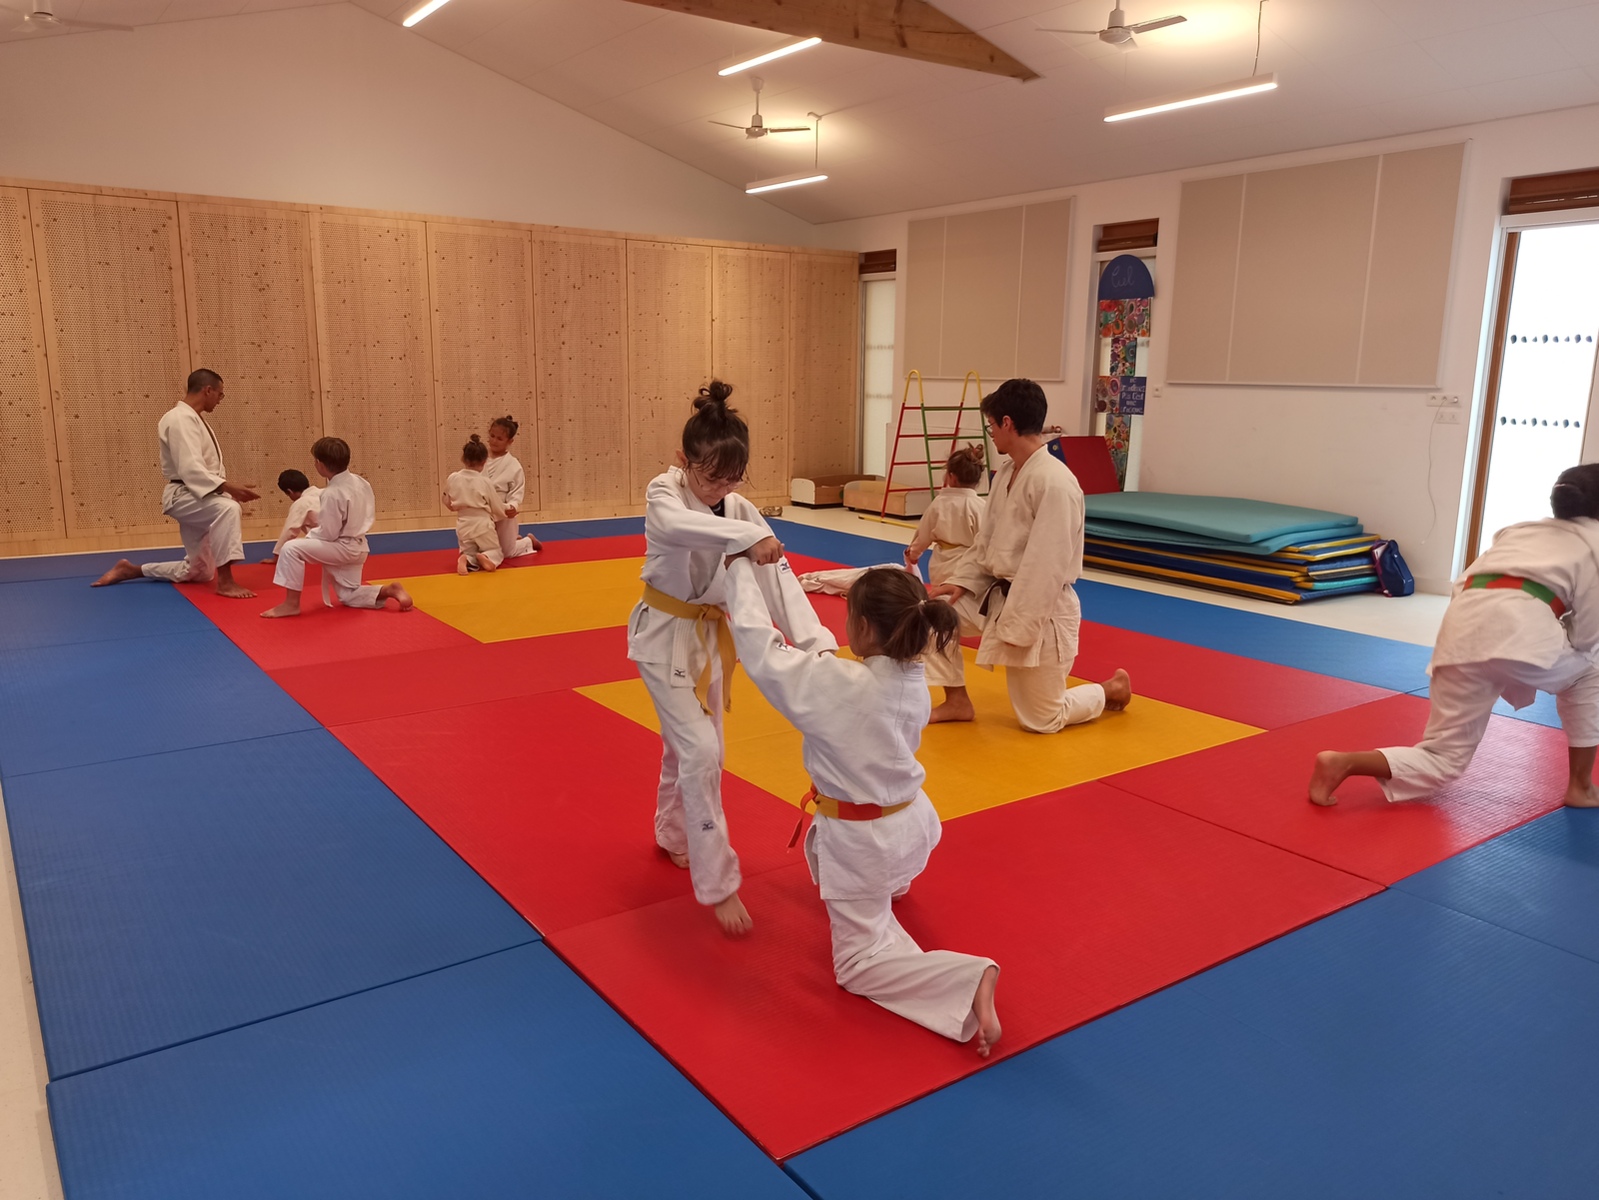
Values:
[(252, 319), (30, 500), (1411, 250), (982, 287), (1201, 327), (117, 342), (823, 423), (1041, 320), (750, 332), (373, 339), (481, 285), (924, 295), (580, 323), (669, 349)]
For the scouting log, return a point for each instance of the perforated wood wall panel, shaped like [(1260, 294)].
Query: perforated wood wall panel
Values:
[(373, 344), (825, 374), (30, 500), (669, 348), (481, 284), (750, 334), (115, 333), (247, 277), (580, 325)]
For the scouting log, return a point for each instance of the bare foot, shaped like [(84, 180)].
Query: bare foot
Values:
[(957, 706), (1332, 768), (537, 545), (121, 573), (1579, 795), (988, 1031), (487, 564), (393, 591), (1118, 691), (234, 591), (678, 860), (288, 608), (460, 566), (734, 917)]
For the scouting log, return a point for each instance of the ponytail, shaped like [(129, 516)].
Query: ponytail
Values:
[(902, 619)]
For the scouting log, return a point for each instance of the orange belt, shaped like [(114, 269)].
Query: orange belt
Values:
[(842, 810)]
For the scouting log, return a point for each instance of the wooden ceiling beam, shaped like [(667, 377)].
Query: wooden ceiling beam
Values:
[(908, 28)]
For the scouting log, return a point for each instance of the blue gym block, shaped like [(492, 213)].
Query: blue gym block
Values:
[(175, 895), (1393, 1049), (503, 1077), (66, 706), (59, 612), (1541, 880)]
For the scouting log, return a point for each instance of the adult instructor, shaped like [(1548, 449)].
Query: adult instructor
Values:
[(198, 496)]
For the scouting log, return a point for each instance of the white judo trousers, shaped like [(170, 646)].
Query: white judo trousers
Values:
[(341, 561), (211, 531), (688, 804), (1462, 700), (512, 543)]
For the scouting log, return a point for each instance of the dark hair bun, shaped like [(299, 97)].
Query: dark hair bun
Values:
[(716, 393), (475, 438)]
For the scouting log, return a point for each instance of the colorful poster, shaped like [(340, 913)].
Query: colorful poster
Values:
[(1126, 292), (1123, 356), (1132, 397)]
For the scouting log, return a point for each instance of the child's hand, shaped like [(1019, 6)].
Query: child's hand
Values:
[(946, 591), (766, 552), (510, 510), (912, 556), (310, 520)]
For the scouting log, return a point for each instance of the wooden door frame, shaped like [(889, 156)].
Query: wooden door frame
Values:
[(1490, 402)]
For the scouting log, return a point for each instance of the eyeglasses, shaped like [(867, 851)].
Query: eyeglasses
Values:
[(727, 481)]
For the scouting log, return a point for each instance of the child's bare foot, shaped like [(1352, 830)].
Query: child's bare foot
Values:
[(484, 563), (393, 591), (289, 608), (678, 860), (235, 591), (988, 1031), (1582, 795), (461, 567), (957, 706), (1332, 768), (121, 573), (734, 917), (537, 545), (1118, 691)]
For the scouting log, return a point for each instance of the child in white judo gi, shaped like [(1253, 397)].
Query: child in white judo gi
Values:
[(874, 827), (952, 520), (1524, 619), (336, 538), (678, 636), (303, 499), (475, 501), (504, 471)]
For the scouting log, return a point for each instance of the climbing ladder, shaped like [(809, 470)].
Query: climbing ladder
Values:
[(926, 438)]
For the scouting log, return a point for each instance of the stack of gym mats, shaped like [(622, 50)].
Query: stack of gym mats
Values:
[(1246, 547)]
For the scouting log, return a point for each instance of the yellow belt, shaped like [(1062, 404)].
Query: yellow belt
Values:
[(710, 626)]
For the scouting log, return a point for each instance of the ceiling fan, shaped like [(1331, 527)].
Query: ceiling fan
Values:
[(1117, 32), (758, 128), (41, 19)]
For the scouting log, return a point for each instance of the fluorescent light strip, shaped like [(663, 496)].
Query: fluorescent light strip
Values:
[(427, 10), (1226, 91), (781, 181), (764, 58)]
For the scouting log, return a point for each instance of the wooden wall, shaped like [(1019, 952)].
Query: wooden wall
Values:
[(402, 334)]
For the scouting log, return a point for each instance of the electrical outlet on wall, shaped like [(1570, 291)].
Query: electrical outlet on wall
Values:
[(1446, 416), (1439, 400)]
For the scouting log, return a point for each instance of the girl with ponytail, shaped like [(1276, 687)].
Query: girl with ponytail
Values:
[(1524, 619), (874, 827)]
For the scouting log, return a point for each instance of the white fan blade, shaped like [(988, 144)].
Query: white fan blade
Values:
[(1084, 32), (726, 124), (93, 26), (1146, 26), (791, 129)]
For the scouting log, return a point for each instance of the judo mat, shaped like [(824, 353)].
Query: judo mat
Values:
[(1099, 866)]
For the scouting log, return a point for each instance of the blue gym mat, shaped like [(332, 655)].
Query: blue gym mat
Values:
[(175, 895), (1394, 1049), (65, 706), (1541, 880), (503, 1077), (58, 612)]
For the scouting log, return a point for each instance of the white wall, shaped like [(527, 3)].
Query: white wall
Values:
[(1362, 450), (332, 105)]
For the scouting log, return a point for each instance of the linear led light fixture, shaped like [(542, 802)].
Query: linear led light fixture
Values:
[(783, 181), (1226, 91), (427, 10), (780, 52)]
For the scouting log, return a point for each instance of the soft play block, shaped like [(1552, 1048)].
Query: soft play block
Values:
[(1228, 518), (502, 1077), (65, 706), (1541, 880), (970, 765), (1258, 788), (394, 685), (560, 818), (171, 896), (551, 598), (1393, 1050), (59, 612), (1087, 898)]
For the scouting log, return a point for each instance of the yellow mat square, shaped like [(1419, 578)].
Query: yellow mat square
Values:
[(532, 601), (972, 766)]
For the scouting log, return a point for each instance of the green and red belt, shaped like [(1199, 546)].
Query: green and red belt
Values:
[(1515, 583)]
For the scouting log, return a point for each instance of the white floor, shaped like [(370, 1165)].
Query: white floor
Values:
[(27, 1153)]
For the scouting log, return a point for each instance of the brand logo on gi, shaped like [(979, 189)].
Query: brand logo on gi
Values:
[(679, 673), (707, 826)]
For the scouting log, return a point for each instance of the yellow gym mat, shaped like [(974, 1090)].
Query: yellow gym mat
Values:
[(532, 601)]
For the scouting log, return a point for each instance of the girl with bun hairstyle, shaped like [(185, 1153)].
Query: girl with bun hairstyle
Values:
[(678, 636), (874, 827), (504, 472), (1524, 619), (951, 521), (476, 505)]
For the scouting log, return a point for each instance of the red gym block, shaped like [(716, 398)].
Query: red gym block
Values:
[(1211, 681), (551, 798), (1088, 898), (1257, 787), (394, 685)]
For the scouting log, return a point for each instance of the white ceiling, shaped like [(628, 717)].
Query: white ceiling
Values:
[(899, 134)]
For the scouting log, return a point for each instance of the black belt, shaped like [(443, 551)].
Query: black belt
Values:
[(1002, 586)]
